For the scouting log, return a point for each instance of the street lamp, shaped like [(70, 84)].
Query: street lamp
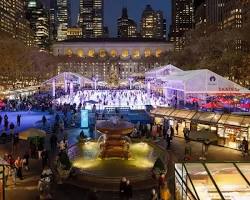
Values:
[(130, 82), (95, 79)]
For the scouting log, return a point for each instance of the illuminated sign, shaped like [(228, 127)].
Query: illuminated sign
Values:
[(84, 119)]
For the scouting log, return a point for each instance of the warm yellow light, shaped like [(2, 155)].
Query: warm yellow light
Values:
[(80, 53), (125, 53), (158, 52), (91, 53), (113, 53), (147, 52)]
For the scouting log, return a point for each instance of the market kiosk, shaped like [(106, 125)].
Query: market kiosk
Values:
[(180, 119), (205, 123), (160, 114), (232, 129)]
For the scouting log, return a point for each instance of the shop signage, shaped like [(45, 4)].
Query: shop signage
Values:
[(228, 89)]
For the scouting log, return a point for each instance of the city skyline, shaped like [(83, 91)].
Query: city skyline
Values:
[(135, 9)]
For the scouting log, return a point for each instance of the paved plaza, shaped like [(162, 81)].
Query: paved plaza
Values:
[(27, 188)]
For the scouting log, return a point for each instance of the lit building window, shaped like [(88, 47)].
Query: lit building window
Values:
[(158, 52), (147, 52), (69, 52), (80, 53), (113, 53), (102, 53), (91, 53), (124, 53), (136, 53)]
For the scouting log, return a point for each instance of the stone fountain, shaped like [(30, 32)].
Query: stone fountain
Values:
[(114, 143)]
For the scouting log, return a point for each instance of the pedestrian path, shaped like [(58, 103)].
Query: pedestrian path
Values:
[(215, 153)]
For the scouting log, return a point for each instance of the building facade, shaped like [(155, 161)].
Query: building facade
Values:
[(53, 21), (126, 28), (74, 32), (99, 57), (63, 19), (182, 21), (13, 21), (152, 24), (39, 22), (91, 18)]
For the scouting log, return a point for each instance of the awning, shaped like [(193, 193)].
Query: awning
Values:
[(207, 117), (162, 111), (231, 120), (183, 114)]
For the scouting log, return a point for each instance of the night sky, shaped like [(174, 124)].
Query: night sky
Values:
[(113, 9)]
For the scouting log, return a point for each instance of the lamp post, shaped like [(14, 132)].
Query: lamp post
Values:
[(95, 79), (130, 79), (54, 88)]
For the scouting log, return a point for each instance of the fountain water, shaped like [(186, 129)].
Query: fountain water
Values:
[(116, 144)]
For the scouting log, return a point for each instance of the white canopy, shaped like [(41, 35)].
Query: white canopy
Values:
[(201, 81), (69, 76), (162, 71)]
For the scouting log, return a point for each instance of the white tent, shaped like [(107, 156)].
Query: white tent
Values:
[(69, 76), (201, 81), (162, 71)]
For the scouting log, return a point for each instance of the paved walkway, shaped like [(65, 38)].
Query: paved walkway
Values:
[(27, 189)]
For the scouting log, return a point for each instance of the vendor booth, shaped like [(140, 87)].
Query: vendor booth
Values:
[(222, 129), (232, 129), (179, 119), (204, 122), (212, 181)]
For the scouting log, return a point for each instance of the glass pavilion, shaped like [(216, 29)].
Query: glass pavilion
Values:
[(212, 181)]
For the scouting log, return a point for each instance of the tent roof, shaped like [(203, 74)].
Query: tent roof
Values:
[(69, 75), (182, 76), (162, 70), (203, 80)]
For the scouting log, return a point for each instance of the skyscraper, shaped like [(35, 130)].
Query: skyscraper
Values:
[(63, 18), (13, 21), (151, 23), (182, 21), (91, 18), (39, 21), (126, 28), (53, 24)]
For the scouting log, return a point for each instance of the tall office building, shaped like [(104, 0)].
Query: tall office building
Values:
[(182, 21), (53, 21), (13, 22), (38, 17), (91, 18), (151, 23), (63, 18), (126, 28), (214, 12), (164, 29)]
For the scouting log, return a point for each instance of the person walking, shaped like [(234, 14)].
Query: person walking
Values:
[(6, 122), (168, 139), (44, 120), (19, 166), (26, 157), (177, 128), (123, 184), (154, 195), (18, 119), (53, 142), (244, 145), (128, 190), (45, 158)]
